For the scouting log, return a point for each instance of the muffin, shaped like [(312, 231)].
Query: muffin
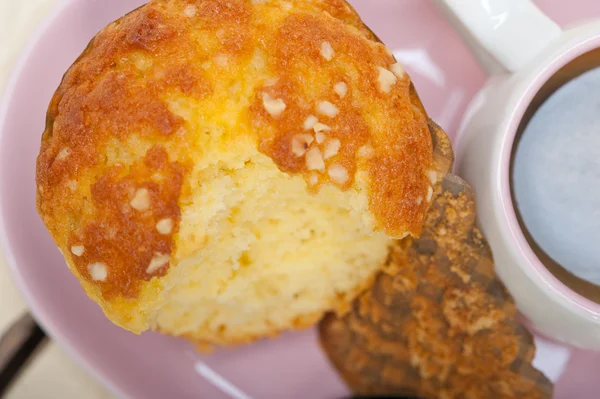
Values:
[(224, 170)]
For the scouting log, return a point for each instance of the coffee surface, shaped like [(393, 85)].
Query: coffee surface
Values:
[(556, 176)]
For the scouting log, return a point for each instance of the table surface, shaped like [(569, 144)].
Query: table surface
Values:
[(52, 373)]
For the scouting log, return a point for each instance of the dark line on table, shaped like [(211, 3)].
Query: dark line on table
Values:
[(22, 355)]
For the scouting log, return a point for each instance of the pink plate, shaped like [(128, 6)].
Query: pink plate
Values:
[(152, 366)]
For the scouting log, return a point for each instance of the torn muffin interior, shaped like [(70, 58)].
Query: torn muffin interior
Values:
[(257, 249)]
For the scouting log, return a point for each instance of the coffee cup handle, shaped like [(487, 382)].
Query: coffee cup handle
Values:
[(504, 35)]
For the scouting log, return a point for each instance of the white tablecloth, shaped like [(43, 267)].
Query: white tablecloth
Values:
[(52, 373)]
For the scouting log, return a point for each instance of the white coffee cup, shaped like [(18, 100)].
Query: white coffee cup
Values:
[(528, 57)]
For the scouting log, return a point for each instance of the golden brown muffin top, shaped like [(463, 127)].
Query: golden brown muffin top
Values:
[(112, 169)]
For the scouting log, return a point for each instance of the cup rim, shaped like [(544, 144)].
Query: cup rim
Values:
[(505, 205)]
